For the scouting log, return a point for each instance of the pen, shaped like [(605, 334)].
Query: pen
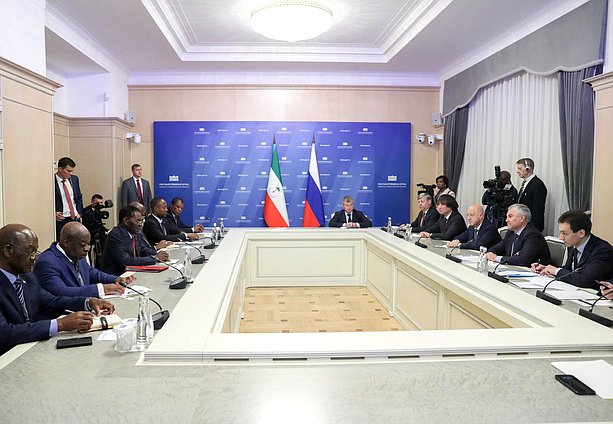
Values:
[(68, 311)]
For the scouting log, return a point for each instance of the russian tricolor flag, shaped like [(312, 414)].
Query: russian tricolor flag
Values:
[(314, 204)]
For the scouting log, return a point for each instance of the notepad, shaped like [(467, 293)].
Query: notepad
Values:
[(146, 268)]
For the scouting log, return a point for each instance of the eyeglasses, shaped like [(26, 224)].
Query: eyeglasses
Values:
[(32, 255)]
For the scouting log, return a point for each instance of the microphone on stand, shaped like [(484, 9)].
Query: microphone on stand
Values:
[(159, 318), (453, 258), (594, 316), (200, 259), (492, 274), (417, 243), (179, 283), (549, 298)]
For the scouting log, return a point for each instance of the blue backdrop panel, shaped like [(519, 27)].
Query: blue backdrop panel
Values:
[(220, 169)]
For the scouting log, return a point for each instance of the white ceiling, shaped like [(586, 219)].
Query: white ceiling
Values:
[(401, 37)]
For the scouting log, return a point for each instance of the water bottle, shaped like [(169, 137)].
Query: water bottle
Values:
[(222, 229), (482, 264), (408, 232), (187, 265), (144, 323), (215, 229), (389, 224)]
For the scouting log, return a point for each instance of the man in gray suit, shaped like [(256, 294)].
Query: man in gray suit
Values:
[(136, 189)]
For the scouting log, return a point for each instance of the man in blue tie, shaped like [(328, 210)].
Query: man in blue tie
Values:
[(523, 244), (480, 232), (23, 303)]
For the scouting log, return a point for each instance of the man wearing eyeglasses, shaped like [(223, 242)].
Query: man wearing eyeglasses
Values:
[(124, 247), (23, 302), (62, 269)]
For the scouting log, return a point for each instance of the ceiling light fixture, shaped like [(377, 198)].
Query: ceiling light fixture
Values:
[(291, 20)]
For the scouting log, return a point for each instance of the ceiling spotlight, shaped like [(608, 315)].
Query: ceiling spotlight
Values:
[(291, 20)]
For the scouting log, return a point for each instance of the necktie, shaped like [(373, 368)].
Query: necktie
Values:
[(134, 247), (575, 258), (19, 290), (423, 219), (521, 189), (349, 218), (78, 271), (69, 200), (476, 234), (515, 237), (140, 191), (163, 227)]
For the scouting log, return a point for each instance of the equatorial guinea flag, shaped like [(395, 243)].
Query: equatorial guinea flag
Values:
[(275, 210), (314, 204)]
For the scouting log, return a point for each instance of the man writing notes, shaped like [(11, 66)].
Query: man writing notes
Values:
[(62, 269), (124, 246), (136, 189), (590, 256), (480, 231), (450, 223), (532, 192), (23, 302), (68, 197), (523, 244), (427, 215), (349, 217)]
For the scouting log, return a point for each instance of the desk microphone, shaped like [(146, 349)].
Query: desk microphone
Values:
[(453, 258), (200, 259), (594, 316), (549, 298), (417, 243), (159, 318), (179, 283), (492, 274)]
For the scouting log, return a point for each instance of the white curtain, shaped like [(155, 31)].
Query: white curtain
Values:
[(514, 118)]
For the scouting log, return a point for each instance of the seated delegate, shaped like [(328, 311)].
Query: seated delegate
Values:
[(480, 232), (349, 217), (450, 223)]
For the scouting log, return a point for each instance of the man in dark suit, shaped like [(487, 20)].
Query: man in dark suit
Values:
[(156, 229), (174, 217), (124, 246), (23, 301), (523, 244), (426, 217), (591, 256), (349, 217), (160, 244), (450, 223), (532, 192), (480, 232), (68, 196), (136, 189), (62, 269)]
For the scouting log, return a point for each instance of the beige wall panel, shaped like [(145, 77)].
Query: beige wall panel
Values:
[(19, 93), (80, 129), (155, 105), (60, 125), (207, 105), (312, 105), (28, 139), (259, 105), (93, 157), (61, 146), (417, 299), (463, 315), (378, 273), (602, 191), (605, 98), (363, 105), (461, 319)]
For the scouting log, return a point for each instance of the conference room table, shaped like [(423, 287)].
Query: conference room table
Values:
[(97, 383)]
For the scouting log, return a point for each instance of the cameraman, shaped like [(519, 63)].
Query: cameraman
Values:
[(88, 212), (497, 208)]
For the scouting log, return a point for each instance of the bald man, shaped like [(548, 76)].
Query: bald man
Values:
[(62, 269), (23, 302), (480, 232)]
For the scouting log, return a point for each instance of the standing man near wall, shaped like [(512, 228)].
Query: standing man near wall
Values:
[(532, 192), (136, 189), (68, 197)]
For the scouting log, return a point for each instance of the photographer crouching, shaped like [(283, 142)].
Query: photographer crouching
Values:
[(499, 195), (93, 215)]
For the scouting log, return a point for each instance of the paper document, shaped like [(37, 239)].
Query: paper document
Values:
[(573, 294), (598, 375), (517, 274), (107, 336), (468, 258), (602, 302), (171, 261)]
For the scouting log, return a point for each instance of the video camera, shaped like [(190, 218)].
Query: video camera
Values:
[(93, 216), (426, 188), (500, 192)]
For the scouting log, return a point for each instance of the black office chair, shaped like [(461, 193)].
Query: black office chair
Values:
[(557, 250)]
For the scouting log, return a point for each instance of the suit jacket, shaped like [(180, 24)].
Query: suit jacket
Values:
[(13, 326), (153, 231), (56, 274), (488, 236), (447, 229), (129, 193), (118, 251), (596, 263), (76, 190), (338, 219), (175, 220), (529, 248), (534, 196), (432, 217)]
